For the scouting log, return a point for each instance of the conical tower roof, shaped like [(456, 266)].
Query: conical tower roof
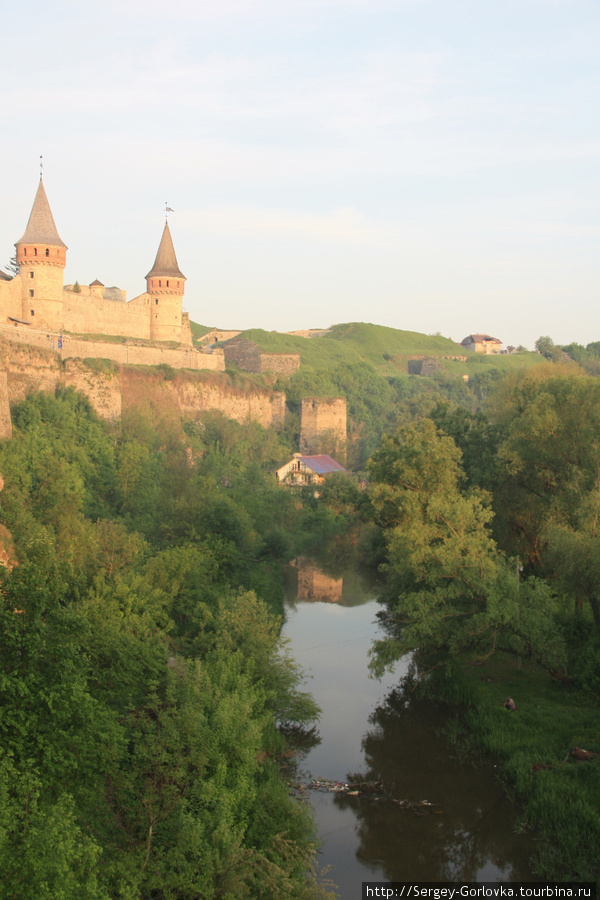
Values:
[(41, 228), (166, 261)]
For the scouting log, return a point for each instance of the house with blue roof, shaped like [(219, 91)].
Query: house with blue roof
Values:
[(308, 469)]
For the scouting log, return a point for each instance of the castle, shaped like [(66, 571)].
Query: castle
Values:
[(37, 298), (49, 333)]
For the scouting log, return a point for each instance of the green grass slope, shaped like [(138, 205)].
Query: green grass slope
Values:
[(387, 350)]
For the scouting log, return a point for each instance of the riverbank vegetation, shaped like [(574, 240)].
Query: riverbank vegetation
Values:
[(146, 696), (143, 683), (558, 790), (490, 522)]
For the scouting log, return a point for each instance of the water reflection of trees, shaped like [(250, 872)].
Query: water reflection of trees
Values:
[(470, 838)]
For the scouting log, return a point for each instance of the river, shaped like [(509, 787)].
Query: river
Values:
[(370, 727)]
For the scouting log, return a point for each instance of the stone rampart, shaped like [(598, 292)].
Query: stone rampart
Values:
[(280, 363), (29, 368), (191, 395), (323, 427), (124, 352), (424, 365), (113, 388), (249, 357), (99, 315), (101, 386), (5, 422), (244, 354)]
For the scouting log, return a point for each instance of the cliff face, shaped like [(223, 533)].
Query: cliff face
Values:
[(112, 388), (190, 394), (5, 423)]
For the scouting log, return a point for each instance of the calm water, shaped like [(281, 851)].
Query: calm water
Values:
[(368, 727)]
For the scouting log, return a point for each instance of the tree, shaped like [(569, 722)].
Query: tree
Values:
[(455, 590), (142, 688), (545, 345), (573, 555), (13, 266), (548, 458)]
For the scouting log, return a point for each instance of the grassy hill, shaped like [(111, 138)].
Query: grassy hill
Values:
[(386, 350), (368, 365)]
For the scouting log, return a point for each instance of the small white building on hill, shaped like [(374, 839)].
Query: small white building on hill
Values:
[(481, 343)]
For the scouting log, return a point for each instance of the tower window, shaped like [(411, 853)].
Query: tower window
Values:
[(31, 293), (167, 282), (33, 312), (35, 251), (156, 301), (24, 251), (160, 283), (47, 252), (31, 274)]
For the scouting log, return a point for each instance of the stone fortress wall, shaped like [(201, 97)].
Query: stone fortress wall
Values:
[(87, 312), (323, 427), (5, 422), (111, 389), (249, 357), (37, 296), (43, 325), (124, 352)]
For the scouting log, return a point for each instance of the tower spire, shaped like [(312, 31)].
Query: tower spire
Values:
[(40, 227), (165, 264)]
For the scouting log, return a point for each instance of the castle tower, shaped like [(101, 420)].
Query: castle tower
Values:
[(323, 427), (42, 257), (165, 284)]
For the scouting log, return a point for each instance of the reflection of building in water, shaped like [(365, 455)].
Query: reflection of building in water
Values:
[(315, 585)]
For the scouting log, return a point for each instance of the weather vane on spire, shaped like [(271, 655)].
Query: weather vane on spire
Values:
[(41, 166), (167, 210)]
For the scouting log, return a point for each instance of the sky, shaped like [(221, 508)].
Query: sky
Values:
[(430, 165)]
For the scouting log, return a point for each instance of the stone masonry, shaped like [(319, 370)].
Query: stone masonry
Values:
[(5, 422), (323, 427), (249, 357)]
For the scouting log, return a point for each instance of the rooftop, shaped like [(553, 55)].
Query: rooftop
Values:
[(41, 228)]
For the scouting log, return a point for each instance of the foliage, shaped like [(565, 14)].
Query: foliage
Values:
[(561, 797), (456, 591), (587, 357), (385, 350), (548, 461), (143, 680), (12, 266)]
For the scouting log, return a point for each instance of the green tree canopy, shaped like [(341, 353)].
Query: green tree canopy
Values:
[(456, 591)]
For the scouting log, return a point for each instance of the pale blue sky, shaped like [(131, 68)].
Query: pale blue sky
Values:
[(431, 165)]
